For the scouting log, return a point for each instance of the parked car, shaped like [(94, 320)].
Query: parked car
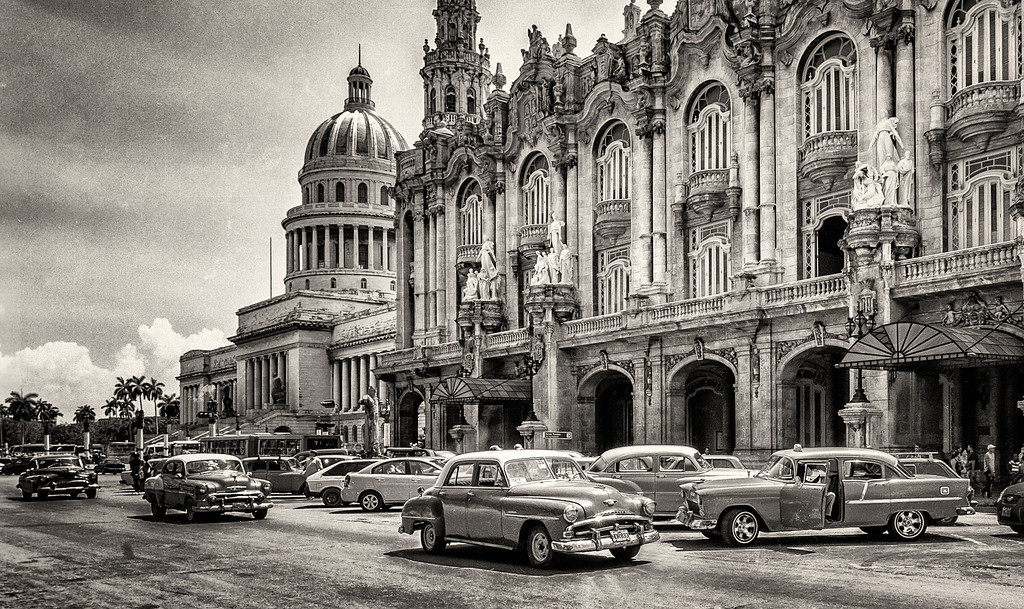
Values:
[(823, 488), (316, 463), (18, 466), (397, 451), (724, 462), (928, 466), (305, 455), (284, 473), (389, 482), (327, 483), (111, 465), (207, 483), (1010, 508), (537, 501), (57, 474), (659, 470)]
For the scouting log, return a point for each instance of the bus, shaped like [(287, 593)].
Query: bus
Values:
[(31, 449), (173, 449), (268, 444)]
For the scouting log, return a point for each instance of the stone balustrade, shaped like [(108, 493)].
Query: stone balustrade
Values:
[(508, 339), (675, 311), (828, 286), (393, 357), (981, 98), (709, 181), (444, 350), (594, 325), (967, 261), (467, 253)]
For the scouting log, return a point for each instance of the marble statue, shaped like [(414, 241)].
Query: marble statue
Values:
[(488, 275), (867, 191), (565, 267), (470, 291), (886, 141), (540, 270), (905, 169), (555, 235), (890, 180)]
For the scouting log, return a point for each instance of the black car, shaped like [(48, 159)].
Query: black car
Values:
[(57, 474), (1010, 508), (18, 466), (109, 466)]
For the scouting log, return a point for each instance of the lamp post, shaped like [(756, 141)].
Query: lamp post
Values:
[(858, 326), (530, 366)]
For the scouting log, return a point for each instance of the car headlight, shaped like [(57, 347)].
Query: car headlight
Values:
[(202, 489), (571, 513), (1008, 498), (266, 486), (648, 507)]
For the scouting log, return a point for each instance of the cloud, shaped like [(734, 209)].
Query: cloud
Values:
[(64, 374)]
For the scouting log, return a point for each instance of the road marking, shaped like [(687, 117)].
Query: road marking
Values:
[(962, 538)]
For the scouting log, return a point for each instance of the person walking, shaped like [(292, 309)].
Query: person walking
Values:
[(1015, 468), (135, 466), (955, 463), (988, 468)]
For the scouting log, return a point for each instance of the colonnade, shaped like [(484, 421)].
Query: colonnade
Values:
[(351, 378), (260, 372), (193, 400), (338, 246)]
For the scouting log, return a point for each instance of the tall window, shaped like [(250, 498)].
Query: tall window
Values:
[(384, 198), (536, 208), (710, 132), (320, 193), (470, 212), (823, 225), (471, 101), (709, 259), (983, 43), (433, 101), (829, 92), (449, 99), (980, 192), (339, 191), (612, 280), (613, 164), (363, 193)]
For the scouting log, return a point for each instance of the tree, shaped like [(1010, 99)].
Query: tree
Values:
[(112, 408), (170, 406), (84, 416), (47, 413), (22, 409)]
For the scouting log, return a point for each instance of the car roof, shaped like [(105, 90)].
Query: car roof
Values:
[(646, 449), (503, 456), (267, 458), (839, 452), (198, 457)]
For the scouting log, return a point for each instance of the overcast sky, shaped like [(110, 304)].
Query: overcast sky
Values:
[(149, 151)]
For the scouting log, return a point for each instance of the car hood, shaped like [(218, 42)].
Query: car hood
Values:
[(68, 472), (588, 494), (715, 485), (223, 478)]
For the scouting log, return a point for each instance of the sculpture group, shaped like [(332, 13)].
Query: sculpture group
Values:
[(555, 265), (483, 284), (890, 181)]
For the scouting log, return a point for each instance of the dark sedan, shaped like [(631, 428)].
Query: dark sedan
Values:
[(109, 466), (57, 474), (1010, 508), (19, 466)]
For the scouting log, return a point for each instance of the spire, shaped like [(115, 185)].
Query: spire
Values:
[(360, 56)]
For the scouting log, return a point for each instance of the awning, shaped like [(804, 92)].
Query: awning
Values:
[(456, 390), (910, 346)]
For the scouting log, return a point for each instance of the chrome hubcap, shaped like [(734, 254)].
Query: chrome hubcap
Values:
[(909, 523), (541, 547), (745, 527), (370, 501), (428, 536)]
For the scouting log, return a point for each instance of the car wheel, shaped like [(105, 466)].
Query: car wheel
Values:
[(538, 547), (304, 490), (44, 494), (259, 514), (1018, 528), (26, 494), (947, 521), (90, 493), (874, 531), (432, 540), (371, 502), (73, 494), (740, 527), (190, 510), (626, 553), (158, 510), (331, 497), (907, 525)]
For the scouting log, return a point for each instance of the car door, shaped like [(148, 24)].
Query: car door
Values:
[(454, 495), (802, 500), (865, 492), (389, 479), (672, 471), (172, 477), (484, 503), (422, 475), (638, 469)]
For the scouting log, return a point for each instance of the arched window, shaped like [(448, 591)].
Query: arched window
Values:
[(362, 283), (433, 100), (305, 195), (449, 99), (471, 101), (362, 193), (334, 282), (339, 191), (823, 225), (453, 30), (307, 284), (320, 193), (980, 193), (613, 164), (709, 129), (982, 43), (827, 85), (384, 198), (470, 214), (612, 280), (392, 286), (536, 186), (709, 259)]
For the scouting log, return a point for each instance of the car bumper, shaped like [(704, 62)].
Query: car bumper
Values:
[(695, 521), (236, 504), (1008, 516), (75, 486), (965, 510), (604, 542)]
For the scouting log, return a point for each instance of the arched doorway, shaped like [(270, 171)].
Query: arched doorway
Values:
[(814, 391), (702, 407), (613, 412), (411, 424)]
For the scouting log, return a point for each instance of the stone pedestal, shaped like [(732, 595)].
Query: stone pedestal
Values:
[(485, 313), (558, 298), (863, 425), (530, 429), (458, 432)]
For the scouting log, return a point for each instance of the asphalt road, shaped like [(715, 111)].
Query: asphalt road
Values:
[(109, 552)]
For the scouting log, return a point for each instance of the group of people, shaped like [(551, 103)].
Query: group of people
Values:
[(966, 464), (140, 469)]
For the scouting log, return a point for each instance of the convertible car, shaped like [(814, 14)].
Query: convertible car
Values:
[(537, 501), (823, 488)]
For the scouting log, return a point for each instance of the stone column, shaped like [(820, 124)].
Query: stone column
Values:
[(487, 222), (420, 252), (642, 247), (257, 395), (432, 273), (658, 203), (250, 398), (883, 79), (284, 369), (558, 195), (364, 376), (267, 397), (766, 179), (336, 383), (386, 260), (572, 207), (288, 250), (369, 248), (441, 269), (346, 382), (905, 95), (354, 379)]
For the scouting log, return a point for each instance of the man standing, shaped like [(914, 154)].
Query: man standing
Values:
[(989, 469), (135, 465)]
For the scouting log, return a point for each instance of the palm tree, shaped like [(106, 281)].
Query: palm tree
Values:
[(170, 406), (125, 409), (84, 416), (47, 413), (22, 408), (112, 408), (155, 390)]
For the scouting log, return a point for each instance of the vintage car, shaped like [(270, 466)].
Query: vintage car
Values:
[(822, 488), (537, 501), (18, 465), (659, 470), (929, 466), (57, 474), (389, 482), (393, 452), (1010, 508), (110, 465), (724, 462), (328, 482), (207, 483), (284, 473)]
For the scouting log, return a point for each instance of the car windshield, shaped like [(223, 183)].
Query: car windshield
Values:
[(213, 465), (58, 462), (778, 468), (538, 469)]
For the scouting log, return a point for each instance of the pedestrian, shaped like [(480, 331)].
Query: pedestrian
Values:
[(135, 466), (1015, 467), (954, 462), (989, 469)]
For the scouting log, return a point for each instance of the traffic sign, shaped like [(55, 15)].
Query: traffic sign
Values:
[(1020, 404), (327, 403), (558, 435)]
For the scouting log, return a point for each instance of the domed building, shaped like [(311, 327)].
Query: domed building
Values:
[(301, 361)]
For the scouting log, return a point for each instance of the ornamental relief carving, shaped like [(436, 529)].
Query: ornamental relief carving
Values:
[(603, 362)]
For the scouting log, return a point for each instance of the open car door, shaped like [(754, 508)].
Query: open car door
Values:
[(802, 501)]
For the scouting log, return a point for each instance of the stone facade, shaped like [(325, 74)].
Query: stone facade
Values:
[(730, 192)]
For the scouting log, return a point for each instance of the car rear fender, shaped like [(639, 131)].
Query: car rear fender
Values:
[(422, 510)]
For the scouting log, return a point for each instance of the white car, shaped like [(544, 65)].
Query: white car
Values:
[(328, 482), (390, 482)]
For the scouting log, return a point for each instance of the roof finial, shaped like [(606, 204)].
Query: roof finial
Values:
[(360, 54)]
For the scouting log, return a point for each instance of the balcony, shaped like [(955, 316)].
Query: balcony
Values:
[(510, 339), (687, 308), (467, 254), (611, 218), (709, 191), (827, 157), (533, 237), (807, 290), (594, 325), (963, 269), (975, 114)]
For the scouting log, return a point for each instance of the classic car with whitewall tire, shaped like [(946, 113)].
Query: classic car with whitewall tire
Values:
[(928, 466), (326, 484), (1010, 508), (823, 488), (57, 475), (206, 483), (536, 501), (389, 482)]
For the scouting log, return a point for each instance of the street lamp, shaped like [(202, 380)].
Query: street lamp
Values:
[(858, 326)]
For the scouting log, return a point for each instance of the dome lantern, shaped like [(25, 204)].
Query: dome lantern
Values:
[(359, 85)]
